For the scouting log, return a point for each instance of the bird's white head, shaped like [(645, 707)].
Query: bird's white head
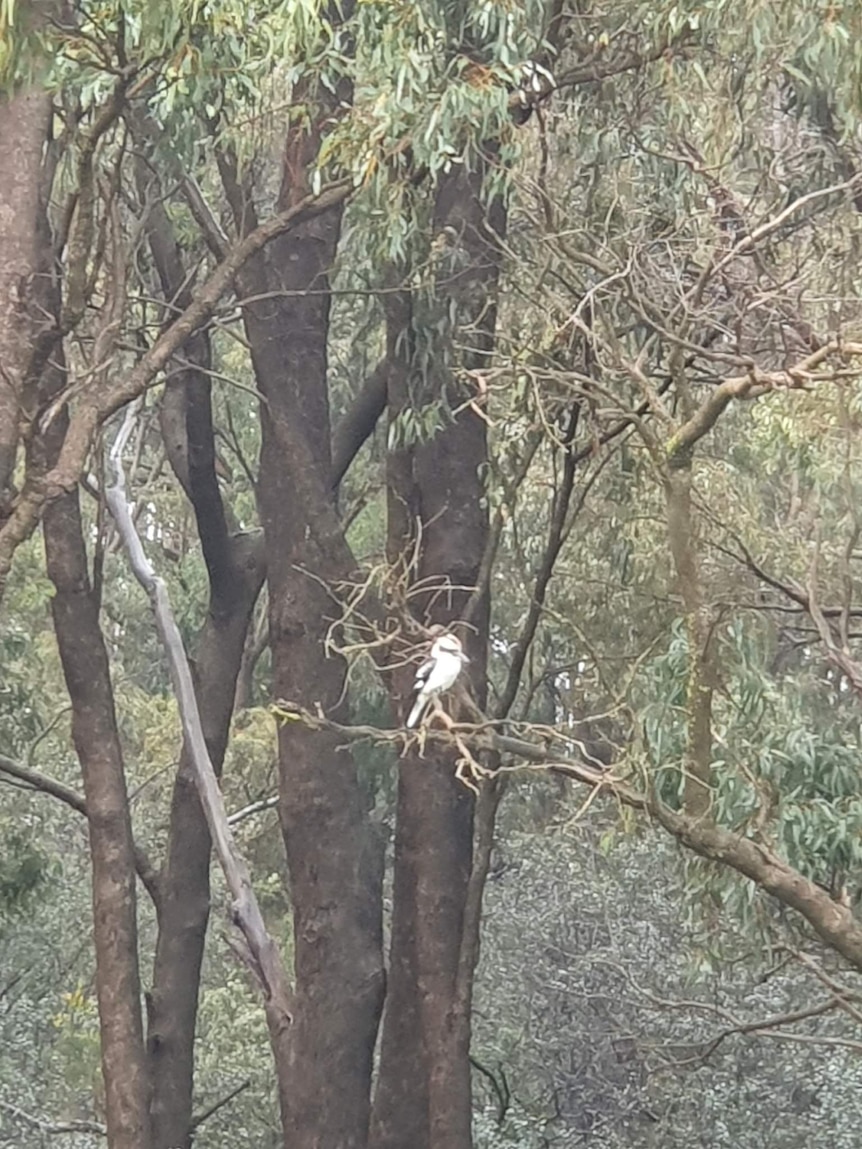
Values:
[(451, 645)]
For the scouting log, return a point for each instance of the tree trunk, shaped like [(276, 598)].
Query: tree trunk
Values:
[(424, 1096), (24, 124), (682, 535), (97, 742), (184, 883), (84, 659), (236, 572), (333, 859)]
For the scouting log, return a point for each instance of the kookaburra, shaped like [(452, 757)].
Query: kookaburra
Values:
[(437, 673)]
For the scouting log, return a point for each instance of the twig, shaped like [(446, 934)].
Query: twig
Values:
[(199, 1120), (52, 1128)]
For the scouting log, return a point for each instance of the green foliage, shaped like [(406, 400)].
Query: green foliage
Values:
[(24, 869), (612, 219), (77, 1044)]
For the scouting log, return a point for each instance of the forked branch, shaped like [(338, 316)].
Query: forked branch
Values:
[(264, 955)]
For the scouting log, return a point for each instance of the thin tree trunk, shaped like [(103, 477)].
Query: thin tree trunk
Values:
[(236, 572), (24, 122), (184, 883), (84, 658), (97, 742), (682, 535)]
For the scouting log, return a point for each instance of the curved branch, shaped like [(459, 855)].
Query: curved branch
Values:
[(36, 780), (96, 404), (358, 422)]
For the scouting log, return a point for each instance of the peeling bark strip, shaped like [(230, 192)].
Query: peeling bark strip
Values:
[(264, 957)]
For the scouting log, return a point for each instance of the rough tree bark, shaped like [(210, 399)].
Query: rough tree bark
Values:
[(424, 1090), (94, 731), (24, 123), (236, 571), (75, 610), (334, 862)]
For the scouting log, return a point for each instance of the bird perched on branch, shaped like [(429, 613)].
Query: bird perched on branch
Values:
[(437, 674)]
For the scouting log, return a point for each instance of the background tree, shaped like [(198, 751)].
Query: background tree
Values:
[(415, 340)]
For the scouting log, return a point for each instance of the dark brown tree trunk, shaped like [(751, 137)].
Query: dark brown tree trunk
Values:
[(84, 659), (424, 1082), (333, 859), (184, 882), (94, 731), (236, 572)]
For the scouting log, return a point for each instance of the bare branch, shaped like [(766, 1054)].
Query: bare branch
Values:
[(36, 780), (97, 404), (196, 1122), (267, 963), (556, 537)]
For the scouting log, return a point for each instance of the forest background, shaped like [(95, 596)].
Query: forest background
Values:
[(324, 325)]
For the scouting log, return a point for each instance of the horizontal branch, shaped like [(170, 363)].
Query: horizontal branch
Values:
[(36, 780), (480, 737), (833, 922), (605, 64)]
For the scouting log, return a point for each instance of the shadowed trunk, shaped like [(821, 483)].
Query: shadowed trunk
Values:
[(84, 658), (424, 1082), (94, 731), (236, 572), (184, 883), (334, 861)]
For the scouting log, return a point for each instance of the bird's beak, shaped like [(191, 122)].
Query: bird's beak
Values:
[(463, 657)]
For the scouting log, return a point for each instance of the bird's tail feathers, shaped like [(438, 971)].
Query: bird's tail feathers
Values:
[(416, 713)]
